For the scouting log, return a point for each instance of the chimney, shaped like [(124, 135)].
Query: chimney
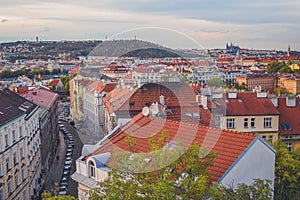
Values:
[(154, 110), (204, 102), (198, 99), (291, 101), (162, 99)]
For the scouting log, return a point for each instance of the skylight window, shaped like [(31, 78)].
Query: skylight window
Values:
[(286, 127)]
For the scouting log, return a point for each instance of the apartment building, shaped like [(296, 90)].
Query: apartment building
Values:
[(289, 126), (249, 113), (290, 82), (264, 82), (93, 107), (48, 120), (20, 147)]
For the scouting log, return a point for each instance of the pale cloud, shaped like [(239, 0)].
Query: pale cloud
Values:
[(191, 23)]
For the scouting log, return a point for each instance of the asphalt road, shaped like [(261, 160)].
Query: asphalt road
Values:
[(72, 189), (56, 170)]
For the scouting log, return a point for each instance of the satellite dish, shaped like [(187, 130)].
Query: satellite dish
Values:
[(145, 111)]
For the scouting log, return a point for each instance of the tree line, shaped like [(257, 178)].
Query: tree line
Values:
[(27, 72)]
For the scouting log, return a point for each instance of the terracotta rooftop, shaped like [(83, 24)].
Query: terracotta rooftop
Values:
[(41, 96), (289, 117), (137, 98), (54, 83), (247, 104), (228, 144)]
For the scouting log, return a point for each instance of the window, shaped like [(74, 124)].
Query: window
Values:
[(21, 153), (1, 173), (246, 125), (15, 158), (1, 193), (271, 138), (6, 140), (92, 169), (264, 137), (13, 136), (9, 186), (17, 178), (230, 123), (7, 164), (252, 123), (290, 147), (20, 131), (268, 122), (23, 173)]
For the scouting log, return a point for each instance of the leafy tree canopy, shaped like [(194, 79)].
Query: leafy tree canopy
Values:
[(287, 172), (215, 82)]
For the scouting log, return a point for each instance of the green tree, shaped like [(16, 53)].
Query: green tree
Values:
[(47, 196), (65, 80), (215, 82), (280, 67), (7, 74), (56, 71), (260, 190), (145, 176), (287, 173), (243, 86), (35, 72), (280, 90)]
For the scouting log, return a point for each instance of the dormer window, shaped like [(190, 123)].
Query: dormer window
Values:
[(92, 173)]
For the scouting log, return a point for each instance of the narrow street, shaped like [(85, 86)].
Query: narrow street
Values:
[(57, 166), (56, 170)]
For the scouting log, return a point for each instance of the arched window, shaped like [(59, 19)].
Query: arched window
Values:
[(91, 166)]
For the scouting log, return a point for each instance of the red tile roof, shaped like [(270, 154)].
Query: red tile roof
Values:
[(53, 83), (289, 116), (74, 71), (41, 97), (225, 59), (228, 144), (247, 104), (99, 86)]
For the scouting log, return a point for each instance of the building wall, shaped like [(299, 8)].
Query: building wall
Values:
[(21, 164), (259, 128), (258, 157), (291, 85), (49, 137), (293, 140), (34, 154)]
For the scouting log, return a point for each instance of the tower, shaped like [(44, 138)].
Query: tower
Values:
[(289, 51)]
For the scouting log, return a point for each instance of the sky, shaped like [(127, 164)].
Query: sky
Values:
[(257, 24)]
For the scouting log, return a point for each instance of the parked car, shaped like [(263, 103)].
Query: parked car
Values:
[(63, 183)]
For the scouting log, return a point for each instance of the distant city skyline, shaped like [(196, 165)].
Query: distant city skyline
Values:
[(175, 24)]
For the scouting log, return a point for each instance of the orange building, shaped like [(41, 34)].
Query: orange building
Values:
[(266, 82), (291, 83)]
